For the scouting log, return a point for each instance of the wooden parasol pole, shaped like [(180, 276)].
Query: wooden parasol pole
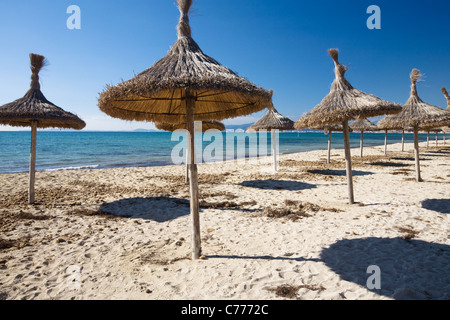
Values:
[(348, 162), (403, 140), (416, 153), (188, 157), (362, 143), (385, 141), (274, 150), (329, 147), (193, 177), (32, 162)]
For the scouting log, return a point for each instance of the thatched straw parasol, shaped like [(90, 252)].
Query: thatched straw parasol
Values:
[(363, 125), (184, 85), (342, 104), (418, 115), (35, 111), (273, 121), (206, 125)]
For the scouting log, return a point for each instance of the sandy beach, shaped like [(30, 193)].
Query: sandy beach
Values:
[(125, 233)]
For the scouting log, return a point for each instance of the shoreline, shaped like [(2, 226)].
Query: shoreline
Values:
[(124, 233), (422, 145)]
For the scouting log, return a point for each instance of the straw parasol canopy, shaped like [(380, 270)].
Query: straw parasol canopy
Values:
[(273, 121), (342, 104), (35, 111), (363, 125), (418, 115), (184, 85)]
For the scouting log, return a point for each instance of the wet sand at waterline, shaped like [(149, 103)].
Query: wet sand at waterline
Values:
[(125, 233)]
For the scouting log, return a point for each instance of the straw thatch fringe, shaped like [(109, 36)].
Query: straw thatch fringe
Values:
[(337, 127), (416, 113), (344, 102), (206, 125), (35, 107)]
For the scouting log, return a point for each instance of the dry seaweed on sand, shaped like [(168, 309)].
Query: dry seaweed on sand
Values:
[(226, 204), (401, 172), (7, 244), (85, 212), (408, 232), (309, 206), (295, 210), (291, 292), (286, 212), (217, 194), (12, 244), (29, 216), (84, 192)]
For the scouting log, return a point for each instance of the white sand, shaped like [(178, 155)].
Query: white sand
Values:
[(146, 255)]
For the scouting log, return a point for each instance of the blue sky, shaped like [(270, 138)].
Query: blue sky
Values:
[(279, 45)]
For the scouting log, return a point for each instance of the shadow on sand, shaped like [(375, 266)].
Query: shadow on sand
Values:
[(409, 269), (159, 209), (339, 172), (278, 185), (409, 159), (389, 164), (267, 258), (438, 205)]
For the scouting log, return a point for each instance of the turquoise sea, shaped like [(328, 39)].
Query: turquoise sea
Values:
[(62, 150)]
